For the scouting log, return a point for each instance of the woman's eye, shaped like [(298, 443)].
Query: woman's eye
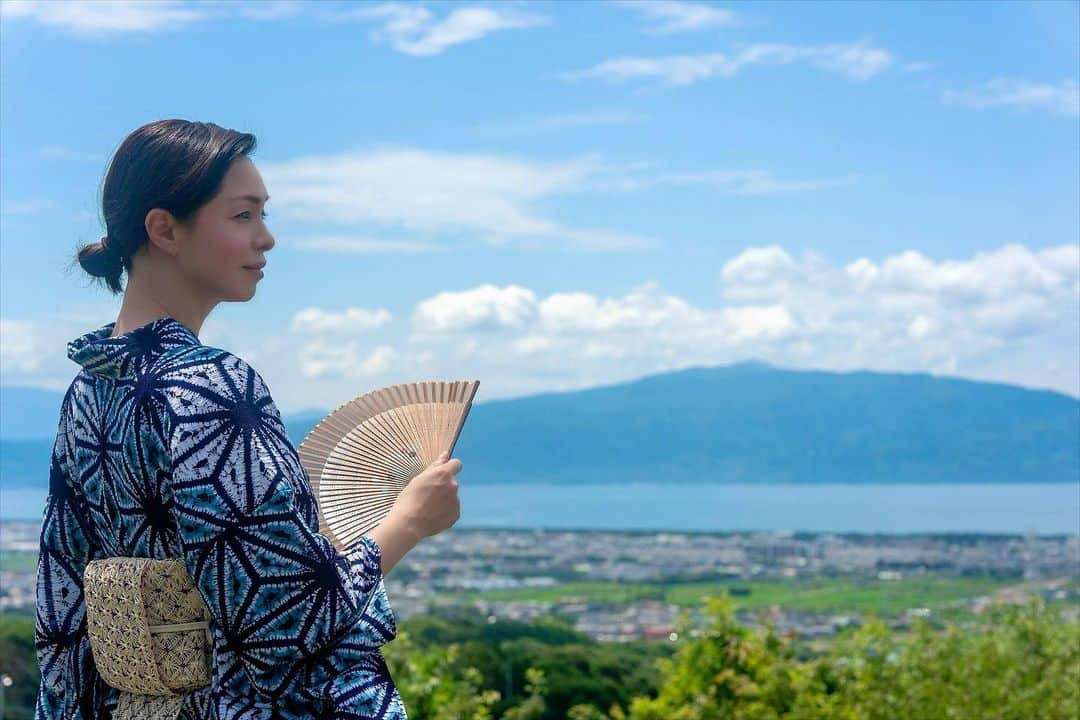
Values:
[(248, 212)]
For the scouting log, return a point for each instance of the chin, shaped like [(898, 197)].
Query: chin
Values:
[(240, 294)]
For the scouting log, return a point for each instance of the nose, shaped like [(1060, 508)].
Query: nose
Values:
[(267, 241)]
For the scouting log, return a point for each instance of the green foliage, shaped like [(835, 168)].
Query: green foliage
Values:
[(1026, 667), (729, 672), (575, 668), (18, 659), (429, 631), (597, 674), (434, 686), (1018, 662), (1023, 667), (533, 707), (585, 712)]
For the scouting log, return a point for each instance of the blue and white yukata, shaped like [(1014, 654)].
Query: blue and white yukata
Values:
[(168, 448)]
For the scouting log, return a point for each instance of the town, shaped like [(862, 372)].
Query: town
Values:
[(528, 574)]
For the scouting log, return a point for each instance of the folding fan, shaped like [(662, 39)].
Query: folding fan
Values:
[(362, 455)]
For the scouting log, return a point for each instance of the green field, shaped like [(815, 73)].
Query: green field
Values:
[(841, 595), (18, 561), (886, 597)]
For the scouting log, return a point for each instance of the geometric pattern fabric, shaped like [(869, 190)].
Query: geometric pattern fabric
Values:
[(168, 448)]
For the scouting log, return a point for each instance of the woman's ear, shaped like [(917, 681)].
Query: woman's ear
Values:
[(161, 230)]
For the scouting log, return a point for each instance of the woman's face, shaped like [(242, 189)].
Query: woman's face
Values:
[(228, 237)]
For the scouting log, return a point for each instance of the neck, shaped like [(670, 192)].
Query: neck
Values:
[(151, 294)]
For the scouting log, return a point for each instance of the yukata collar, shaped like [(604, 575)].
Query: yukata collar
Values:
[(118, 357)]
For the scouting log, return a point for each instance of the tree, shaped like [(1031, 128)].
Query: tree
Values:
[(432, 684), (1025, 666), (731, 672), (533, 707)]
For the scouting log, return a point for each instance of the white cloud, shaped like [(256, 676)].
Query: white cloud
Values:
[(999, 274), (759, 266), (920, 326), (759, 321), (485, 196), (531, 344), (103, 16), (1011, 314), (320, 358), (566, 320), (20, 347), (998, 315), (485, 307), (415, 30), (640, 310), (955, 307), (856, 61), (314, 320), (1061, 99), (670, 16), (33, 352), (108, 17)]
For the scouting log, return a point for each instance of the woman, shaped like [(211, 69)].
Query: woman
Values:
[(168, 448)]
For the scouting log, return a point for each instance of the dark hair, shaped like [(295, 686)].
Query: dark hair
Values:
[(176, 165)]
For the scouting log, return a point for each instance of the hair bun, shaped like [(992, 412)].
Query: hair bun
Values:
[(101, 260)]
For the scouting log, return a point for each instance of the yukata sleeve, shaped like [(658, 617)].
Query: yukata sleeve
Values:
[(279, 592), (69, 680)]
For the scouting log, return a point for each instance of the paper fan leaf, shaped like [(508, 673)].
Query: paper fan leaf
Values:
[(362, 455)]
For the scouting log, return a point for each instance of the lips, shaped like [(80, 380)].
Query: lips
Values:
[(260, 266)]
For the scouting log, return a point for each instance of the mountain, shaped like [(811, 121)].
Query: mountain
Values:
[(754, 422), (747, 422)]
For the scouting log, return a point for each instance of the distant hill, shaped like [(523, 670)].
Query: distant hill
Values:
[(753, 422), (749, 422)]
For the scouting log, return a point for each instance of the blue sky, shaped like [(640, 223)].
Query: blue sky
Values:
[(549, 196)]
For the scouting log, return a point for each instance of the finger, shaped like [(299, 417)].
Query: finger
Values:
[(454, 466)]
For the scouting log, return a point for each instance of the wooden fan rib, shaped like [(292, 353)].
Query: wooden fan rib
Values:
[(470, 393), (339, 518), (373, 442), (373, 513), (382, 430), (411, 432), (355, 459), (410, 418), (344, 518), (391, 426), (352, 465)]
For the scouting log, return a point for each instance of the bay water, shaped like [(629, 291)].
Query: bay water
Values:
[(1052, 508)]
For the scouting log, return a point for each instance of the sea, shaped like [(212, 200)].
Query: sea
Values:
[(1046, 509)]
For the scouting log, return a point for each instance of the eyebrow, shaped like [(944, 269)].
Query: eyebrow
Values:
[(252, 198)]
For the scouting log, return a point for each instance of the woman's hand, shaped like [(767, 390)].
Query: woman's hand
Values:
[(428, 505)]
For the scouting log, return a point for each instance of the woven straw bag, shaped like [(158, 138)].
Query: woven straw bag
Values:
[(149, 633)]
